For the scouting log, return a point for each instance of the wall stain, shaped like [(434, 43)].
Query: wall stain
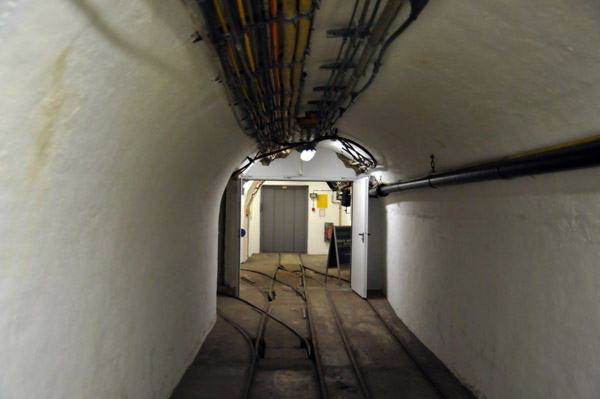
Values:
[(420, 63), (49, 114)]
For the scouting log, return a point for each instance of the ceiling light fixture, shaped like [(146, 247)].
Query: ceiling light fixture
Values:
[(307, 154)]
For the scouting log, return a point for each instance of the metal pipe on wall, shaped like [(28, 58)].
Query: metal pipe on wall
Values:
[(569, 156)]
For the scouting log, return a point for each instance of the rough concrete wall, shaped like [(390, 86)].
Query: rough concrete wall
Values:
[(107, 234), (501, 281)]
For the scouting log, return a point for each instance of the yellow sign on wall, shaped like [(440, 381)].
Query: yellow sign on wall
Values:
[(322, 201)]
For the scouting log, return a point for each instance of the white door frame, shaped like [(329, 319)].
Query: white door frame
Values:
[(358, 274)]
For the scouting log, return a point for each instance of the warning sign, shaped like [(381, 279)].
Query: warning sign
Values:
[(322, 200)]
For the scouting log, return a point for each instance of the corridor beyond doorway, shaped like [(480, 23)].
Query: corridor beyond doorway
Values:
[(275, 215), (292, 335)]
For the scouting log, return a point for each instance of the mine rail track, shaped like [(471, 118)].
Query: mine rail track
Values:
[(268, 286), (308, 342)]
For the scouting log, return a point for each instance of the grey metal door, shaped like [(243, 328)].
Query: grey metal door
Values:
[(283, 218)]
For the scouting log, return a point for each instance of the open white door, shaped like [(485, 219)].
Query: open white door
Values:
[(360, 235)]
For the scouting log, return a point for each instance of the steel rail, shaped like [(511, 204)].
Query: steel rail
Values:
[(315, 342), (346, 341), (250, 371), (275, 279), (259, 335), (253, 284), (326, 274), (304, 340)]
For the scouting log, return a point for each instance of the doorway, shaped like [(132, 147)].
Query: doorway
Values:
[(298, 218), (326, 204)]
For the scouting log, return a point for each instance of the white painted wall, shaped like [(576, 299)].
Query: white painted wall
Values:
[(316, 242), (116, 146), (107, 234), (502, 281)]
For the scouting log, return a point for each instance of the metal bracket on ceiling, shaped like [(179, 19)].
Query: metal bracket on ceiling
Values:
[(345, 32), (337, 65), (319, 102), (327, 88), (196, 37)]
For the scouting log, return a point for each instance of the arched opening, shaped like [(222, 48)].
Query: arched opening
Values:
[(295, 317)]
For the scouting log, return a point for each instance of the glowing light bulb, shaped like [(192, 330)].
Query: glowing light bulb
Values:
[(307, 154)]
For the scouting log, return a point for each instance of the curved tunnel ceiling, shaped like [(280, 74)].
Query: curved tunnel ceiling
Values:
[(476, 80), (470, 81)]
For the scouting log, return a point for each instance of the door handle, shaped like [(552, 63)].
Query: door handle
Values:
[(362, 236)]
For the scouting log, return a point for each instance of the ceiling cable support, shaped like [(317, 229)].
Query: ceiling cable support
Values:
[(337, 65), (324, 88), (345, 32)]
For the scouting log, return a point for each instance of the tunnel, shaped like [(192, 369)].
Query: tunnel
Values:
[(123, 124)]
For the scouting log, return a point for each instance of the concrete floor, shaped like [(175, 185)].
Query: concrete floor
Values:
[(341, 346)]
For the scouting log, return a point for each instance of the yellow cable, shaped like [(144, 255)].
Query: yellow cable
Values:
[(232, 56), (229, 46), (245, 93), (246, 38), (257, 84), (241, 10), (220, 15), (249, 52), (230, 49)]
